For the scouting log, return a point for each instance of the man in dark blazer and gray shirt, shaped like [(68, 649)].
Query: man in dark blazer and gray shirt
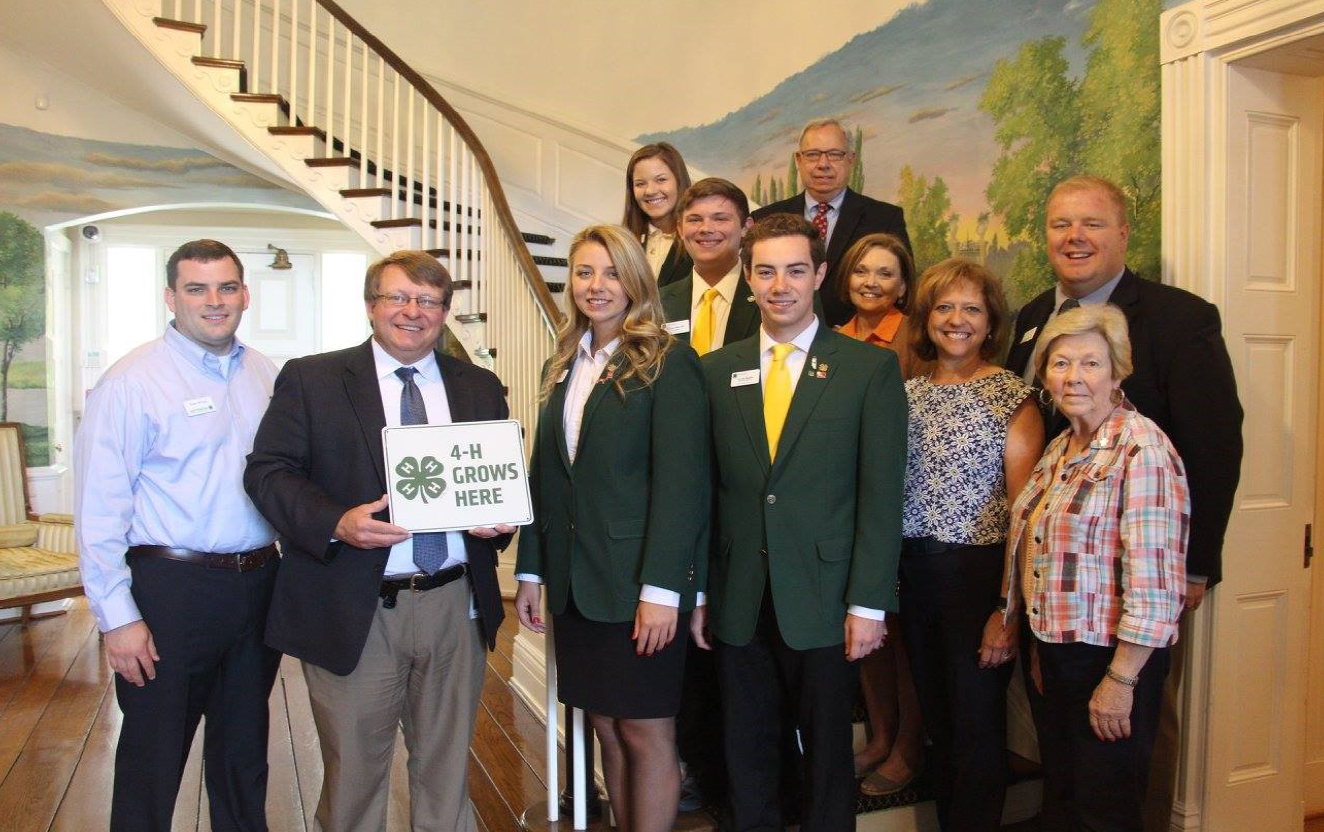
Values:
[(824, 161), (391, 627), (1182, 379)]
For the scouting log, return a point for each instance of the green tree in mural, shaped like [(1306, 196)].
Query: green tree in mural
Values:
[(928, 216), (1120, 132), (792, 178), (22, 294), (856, 182), (1032, 102), (1051, 126), (757, 193)]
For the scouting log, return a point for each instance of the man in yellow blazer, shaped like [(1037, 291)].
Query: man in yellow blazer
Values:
[(809, 438)]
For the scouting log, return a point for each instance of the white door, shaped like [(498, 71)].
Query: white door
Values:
[(282, 316), (1260, 618)]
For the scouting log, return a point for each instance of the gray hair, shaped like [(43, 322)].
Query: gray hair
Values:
[(824, 122), (1102, 318)]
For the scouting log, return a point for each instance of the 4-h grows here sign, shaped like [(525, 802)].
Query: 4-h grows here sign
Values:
[(457, 476)]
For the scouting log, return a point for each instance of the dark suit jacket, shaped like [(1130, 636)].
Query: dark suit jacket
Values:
[(860, 215), (677, 266), (317, 454), (1183, 381), (740, 324), (822, 523), (635, 505)]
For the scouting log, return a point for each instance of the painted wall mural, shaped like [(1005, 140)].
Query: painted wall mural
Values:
[(47, 179), (965, 112)]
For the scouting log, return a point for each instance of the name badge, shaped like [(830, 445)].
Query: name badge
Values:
[(561, 377), (677, 327), (1029, 335), (197, 407), (744, 378)]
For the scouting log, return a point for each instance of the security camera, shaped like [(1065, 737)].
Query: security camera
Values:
[(91, 233)]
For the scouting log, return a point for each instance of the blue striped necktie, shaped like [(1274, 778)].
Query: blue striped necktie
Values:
[(429, 547)]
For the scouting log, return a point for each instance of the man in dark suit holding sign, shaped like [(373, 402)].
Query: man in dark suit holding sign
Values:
[(390, 627), (809, 434), (824, 161)]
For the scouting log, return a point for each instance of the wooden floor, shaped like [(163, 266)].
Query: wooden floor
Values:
[(59, 724)]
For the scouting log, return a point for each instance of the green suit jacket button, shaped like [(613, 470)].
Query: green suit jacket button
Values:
[(772, 499)]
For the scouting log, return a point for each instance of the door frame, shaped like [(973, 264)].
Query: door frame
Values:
[(1199, 43)]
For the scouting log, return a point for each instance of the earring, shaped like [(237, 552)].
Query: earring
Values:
[(1118, 396), (1045, 402)]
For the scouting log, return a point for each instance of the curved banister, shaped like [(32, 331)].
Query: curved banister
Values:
[(507, 218)]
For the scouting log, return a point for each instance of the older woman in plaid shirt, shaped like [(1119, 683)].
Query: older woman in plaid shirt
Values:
[(1096, 558)]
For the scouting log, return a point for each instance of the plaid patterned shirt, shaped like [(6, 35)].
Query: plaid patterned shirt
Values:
[(1108, 551)]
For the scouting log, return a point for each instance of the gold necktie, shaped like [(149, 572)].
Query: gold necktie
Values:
[(777, 396), (701, 336)]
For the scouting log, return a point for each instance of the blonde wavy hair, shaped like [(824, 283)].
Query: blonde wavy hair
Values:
[(644, 342)]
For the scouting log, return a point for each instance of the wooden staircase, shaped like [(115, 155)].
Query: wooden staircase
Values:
[(349, 123)]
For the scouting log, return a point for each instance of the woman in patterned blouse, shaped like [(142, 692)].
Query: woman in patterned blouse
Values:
[(974, 436), (1097, 560)]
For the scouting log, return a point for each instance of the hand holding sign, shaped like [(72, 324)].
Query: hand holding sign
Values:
[(466, 475)]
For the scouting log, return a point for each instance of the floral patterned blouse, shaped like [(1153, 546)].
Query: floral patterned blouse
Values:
[(956, 490)]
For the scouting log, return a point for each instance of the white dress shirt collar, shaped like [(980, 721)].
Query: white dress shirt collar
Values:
[(387, 364)]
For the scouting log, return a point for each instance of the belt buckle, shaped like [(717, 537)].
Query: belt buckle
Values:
[(414, 577)]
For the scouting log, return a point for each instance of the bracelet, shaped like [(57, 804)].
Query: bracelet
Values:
[(1129, 681)]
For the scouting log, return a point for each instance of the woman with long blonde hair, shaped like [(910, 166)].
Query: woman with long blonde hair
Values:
[(621, 492)]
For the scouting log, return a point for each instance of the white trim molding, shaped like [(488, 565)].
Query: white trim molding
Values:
[(1199, 41)]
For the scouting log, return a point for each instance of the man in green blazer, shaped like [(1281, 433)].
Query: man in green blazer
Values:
[(809, 438), (711, 305)]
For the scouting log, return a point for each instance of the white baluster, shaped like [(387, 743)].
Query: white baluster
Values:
[(581, 802), (407, 180), (275, 44), (553, 787), (429, 234), (294, 61), (440, 213), (452, 236), (381, 120), (363, 118), (395, 145), (310, 114), (255, 52), (348, 103), (331, 88)]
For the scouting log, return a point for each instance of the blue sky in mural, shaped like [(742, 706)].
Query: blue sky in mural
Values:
[(46, 178), (913, 85)]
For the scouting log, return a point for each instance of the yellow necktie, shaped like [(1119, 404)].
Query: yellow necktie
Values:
[(777, 396), (701, 336)]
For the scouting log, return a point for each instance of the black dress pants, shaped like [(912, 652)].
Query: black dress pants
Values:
[(759, 682), (207, 625), (1091, 785), (699, 725), (947, 594)]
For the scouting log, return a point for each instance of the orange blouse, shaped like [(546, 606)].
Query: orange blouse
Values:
[(892, 332)]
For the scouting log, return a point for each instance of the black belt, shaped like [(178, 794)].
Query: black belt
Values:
[(237, 561), (933, 546), (417, 583)]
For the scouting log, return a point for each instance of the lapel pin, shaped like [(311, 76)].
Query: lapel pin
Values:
[(610, 374)]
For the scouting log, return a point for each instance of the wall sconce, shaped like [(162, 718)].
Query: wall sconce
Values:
[(282, 261)]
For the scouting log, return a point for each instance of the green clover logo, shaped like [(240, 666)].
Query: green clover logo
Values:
[(420, 479)]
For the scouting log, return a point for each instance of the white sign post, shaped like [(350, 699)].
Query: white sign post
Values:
[(457, 476)]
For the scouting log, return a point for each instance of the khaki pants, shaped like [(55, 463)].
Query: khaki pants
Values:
[(422, 668)]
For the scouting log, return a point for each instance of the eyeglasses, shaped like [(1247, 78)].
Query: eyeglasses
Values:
[(812, 156), (398, 301)]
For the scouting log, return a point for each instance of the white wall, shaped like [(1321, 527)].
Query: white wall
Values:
[(73, 108)]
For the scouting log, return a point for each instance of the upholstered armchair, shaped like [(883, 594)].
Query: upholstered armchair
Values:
[(38, 559)]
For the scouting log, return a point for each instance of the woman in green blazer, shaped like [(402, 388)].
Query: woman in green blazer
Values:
[(621, 496), (655, 177)]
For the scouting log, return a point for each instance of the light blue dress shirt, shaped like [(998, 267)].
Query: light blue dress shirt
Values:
[(159, 461)]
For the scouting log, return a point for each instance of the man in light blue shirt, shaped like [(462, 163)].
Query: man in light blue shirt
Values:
[(177, 564)]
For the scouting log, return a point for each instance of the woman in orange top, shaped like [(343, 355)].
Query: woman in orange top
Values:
[(876, 276)]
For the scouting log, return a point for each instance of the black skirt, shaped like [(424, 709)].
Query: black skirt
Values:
[(598, 671)]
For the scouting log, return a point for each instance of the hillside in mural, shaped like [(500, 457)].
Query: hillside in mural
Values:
[(967, 111)]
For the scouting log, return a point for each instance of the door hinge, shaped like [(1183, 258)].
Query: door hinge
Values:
[(1308, 548)]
